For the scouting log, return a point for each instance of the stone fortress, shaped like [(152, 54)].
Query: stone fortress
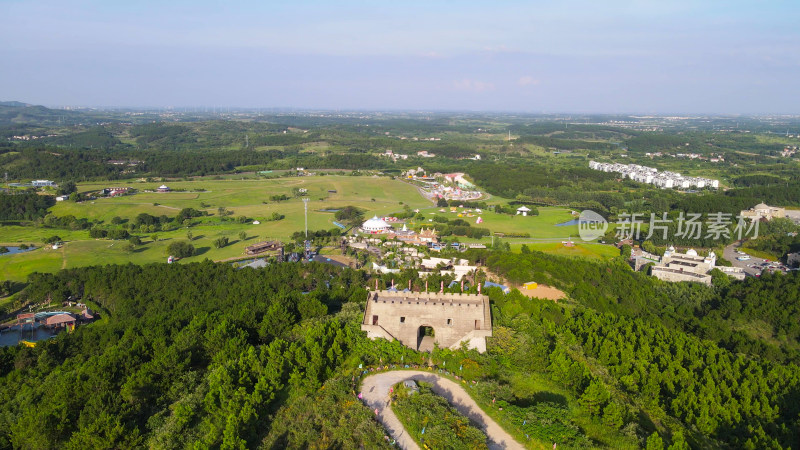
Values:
[(675, 266), (762, 211), (410, 317)]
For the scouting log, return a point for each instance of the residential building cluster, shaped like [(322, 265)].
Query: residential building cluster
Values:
[(650, 175), (449, 186), (30, 138)]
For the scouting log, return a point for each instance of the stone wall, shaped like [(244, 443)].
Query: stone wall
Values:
[(455, 318)]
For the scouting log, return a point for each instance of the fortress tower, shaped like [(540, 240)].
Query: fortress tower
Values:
[(420, 319)]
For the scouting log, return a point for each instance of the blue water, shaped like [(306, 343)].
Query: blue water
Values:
[(13, 336), (13, 250), (571, 222)]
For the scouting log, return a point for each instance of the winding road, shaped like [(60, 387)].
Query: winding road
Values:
[(375, 390)]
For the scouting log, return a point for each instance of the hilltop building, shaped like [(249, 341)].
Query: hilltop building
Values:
[(417, 318), (764, 211), (675, 266)]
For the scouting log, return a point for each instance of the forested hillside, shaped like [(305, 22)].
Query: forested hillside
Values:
[(206, 355), (191, 355), (754, 317)]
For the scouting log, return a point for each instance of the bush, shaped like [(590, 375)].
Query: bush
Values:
[(180, 249), (444, 426), (118, 234), (221, 242), (97, 233), (51, 239)]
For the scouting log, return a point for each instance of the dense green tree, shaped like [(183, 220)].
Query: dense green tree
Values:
[(614, 415), (180, 249), (654, 442), (221, 242)]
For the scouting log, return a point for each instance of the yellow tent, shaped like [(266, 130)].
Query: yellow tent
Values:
[(531, 285)]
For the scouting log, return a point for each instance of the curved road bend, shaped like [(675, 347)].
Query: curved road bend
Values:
[(375, 390)]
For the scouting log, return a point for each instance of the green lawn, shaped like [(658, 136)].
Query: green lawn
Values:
[(542, 226), (582, 249), (246, 197), (242, 197)]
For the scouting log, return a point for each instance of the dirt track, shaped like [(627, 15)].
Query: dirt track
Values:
[(375, 390)]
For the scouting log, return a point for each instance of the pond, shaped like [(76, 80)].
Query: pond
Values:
[(574, 222), (13, 250), (13, 336)]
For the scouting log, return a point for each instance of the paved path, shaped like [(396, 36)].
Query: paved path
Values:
[(375, 390)]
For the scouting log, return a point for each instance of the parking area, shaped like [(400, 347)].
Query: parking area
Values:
[(752, 266)]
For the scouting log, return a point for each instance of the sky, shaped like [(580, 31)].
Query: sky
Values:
[(567, 56)]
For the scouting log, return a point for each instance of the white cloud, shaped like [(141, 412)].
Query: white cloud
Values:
[(527, 80), (472, 85)]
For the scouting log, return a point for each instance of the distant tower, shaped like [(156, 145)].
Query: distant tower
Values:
[(246, 141)]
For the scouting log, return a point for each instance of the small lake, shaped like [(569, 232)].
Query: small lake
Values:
[(13, 336), (573, 222), (14, 250)]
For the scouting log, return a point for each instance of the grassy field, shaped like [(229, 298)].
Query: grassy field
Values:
[(245, 196), (542, 226), (581, 249), (242, 197)]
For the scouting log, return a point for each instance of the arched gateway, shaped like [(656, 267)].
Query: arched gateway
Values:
[(417, 318)]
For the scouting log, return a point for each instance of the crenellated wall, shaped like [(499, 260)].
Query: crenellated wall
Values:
[(455, 318)]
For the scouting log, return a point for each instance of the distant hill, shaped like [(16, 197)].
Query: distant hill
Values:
[(14, 104), (18, 113)]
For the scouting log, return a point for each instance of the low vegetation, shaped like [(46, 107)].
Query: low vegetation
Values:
[(432, 422)]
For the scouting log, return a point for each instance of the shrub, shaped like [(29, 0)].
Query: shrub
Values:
[(180, 249)]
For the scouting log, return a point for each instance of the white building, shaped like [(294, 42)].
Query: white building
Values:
[(764, 211), (650, 175), (375, 226), (687, 266), (43, 183)]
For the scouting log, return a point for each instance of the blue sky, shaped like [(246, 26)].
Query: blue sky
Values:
[(672, 56)]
